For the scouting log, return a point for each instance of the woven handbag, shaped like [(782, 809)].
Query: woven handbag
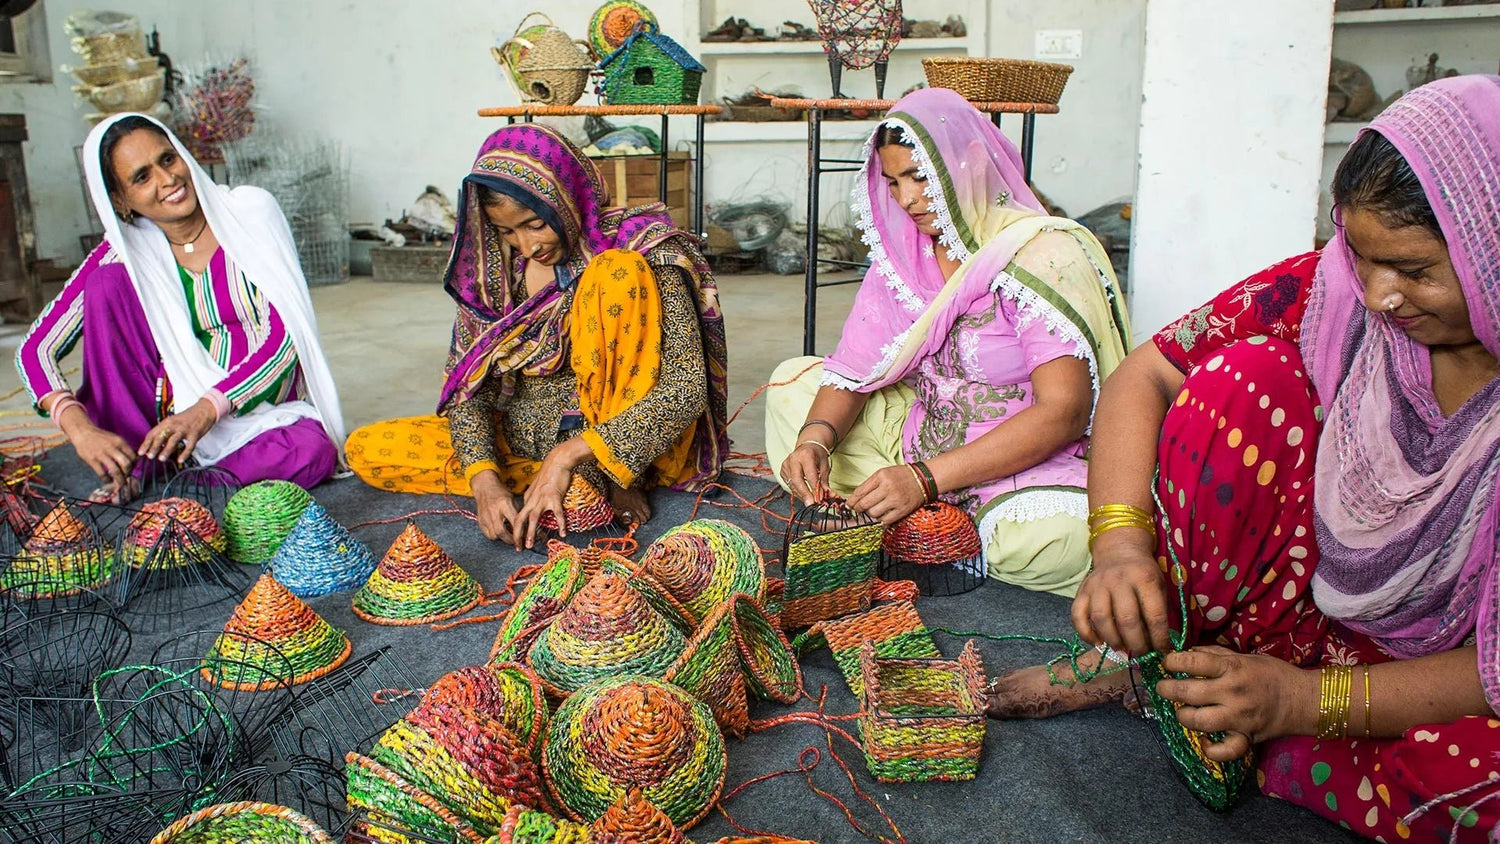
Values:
[(545, 65)]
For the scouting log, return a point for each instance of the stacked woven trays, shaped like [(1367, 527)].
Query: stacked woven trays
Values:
[(608, 628), (938, 548), (243, 821), (416, 583), (629, 732), (258, 518), (922, 719), (831, 555), (584, 508), (319, 556), (271, 614), (64, 555), (149, 539), (703, 562)]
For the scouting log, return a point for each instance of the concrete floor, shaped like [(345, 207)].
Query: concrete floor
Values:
[(387, 342)]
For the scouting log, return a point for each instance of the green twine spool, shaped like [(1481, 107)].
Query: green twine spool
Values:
[(258, 518)]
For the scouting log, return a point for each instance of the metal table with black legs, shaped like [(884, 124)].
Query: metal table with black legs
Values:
[(817, 165), (530, 111)]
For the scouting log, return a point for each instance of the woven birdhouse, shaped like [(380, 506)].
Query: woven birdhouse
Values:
[(831, 554), (936, 547), (650, 68)]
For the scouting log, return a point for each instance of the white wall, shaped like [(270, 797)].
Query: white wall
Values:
[(1230, 146)]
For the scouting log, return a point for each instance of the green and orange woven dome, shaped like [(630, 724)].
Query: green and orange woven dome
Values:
[(937, 547), (608, 628), (416, 583), (703, 562), (631, 732), (508, 692), (243, 821), (613, 22), (544, 597), (258, 518), (152, 528), (269, 618), (63, 556)]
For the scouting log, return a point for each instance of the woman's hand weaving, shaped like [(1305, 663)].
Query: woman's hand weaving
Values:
[(547, 490), (1251, 697), (889, 495), (498, 512), (175, 437), (805, 471), (1123, 601)]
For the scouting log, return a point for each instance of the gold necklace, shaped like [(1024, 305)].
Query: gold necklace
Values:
[(188, 245)]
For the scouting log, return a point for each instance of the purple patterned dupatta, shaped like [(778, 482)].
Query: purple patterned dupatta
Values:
[(494, 334), (1405, 499)]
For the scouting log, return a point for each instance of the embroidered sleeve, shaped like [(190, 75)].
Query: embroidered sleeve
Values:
[(55, 332), (1269, 303), (472, 428)]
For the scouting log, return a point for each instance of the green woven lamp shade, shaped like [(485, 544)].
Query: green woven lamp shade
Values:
[(258, 518), (416, 583), (607, 629), (631, 732), (704, 562)]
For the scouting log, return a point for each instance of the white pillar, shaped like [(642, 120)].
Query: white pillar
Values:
[(1231, 146)]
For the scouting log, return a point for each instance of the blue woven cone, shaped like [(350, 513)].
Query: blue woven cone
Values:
[(319, 556)]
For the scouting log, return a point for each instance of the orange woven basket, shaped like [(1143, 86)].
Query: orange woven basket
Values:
[(998, 80)]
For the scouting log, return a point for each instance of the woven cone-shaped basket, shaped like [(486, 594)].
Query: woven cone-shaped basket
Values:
[(705, 561), (271, 614), (416, 583), (585, 507), (607, 629), (508, 692), (709, 669), (147, 528), (390, 801), (63, 556), (319, 556), (466, 759), (543, 598), (633, 818), (633, 732), (258, 518), (243, 821)]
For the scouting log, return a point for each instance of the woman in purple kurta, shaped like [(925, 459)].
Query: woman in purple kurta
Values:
[(199, 338)]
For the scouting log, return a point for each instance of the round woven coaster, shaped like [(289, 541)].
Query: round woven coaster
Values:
[(703, 562), (258, 518), (544, 597), (63, 556), (271, 614), (630, 732), (508, 692), (150, 529), (319, 556), (585, 507), (709, 670), (607, 629), (467, 760), (1216, 784), (938, 548), (416, 583), (232, 823), (391, 801)]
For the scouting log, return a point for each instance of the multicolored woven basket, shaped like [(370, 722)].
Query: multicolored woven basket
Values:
[(584, 506), (1216, 784), (922, 719), (705, 561), (544, 597), (831, 554), (770, 666), (894, 629), (258, 518), (634, 732), (63, 556), (271, 614), (938, 548), (416, 583), (635, 819), (508, 692), (607, 629), (230, 823), (319, 556), (467, 760), (391, 801), (709, 669), (530, 826), (149, 530), (613, 22)]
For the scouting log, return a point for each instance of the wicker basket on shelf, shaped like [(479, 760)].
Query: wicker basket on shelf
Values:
[(998, 80), (548, 66)]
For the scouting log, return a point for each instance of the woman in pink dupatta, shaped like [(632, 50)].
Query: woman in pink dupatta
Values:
[(1325, 438), (969, 364)]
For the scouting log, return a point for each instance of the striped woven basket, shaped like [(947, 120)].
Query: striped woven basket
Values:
[(416, 583), (771, 669), (271, 614), (831, 554), (232, 823), (998, 80), (922, 720), (147, 527), (709, 669), (607, 629), (895, 629), (258, 518)]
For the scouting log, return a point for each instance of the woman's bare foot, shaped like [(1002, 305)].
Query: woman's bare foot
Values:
[(1031, 692), (630, 506), (112, 493)]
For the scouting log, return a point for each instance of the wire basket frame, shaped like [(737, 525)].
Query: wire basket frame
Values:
[(210, 486), (70, 549), (61, 653), (345, 710), (83, 812), (179, 572), (310, 180), (311, 787)]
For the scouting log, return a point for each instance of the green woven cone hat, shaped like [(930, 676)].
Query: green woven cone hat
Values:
[(608, 628), (272, 615), (703, 562), (416, 583), (709, 669), (632, 732), (319, 556), (543, 598), (258, 518)]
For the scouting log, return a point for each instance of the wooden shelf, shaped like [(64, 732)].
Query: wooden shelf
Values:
[(1425, 14), (781, 48), (731, 131), (1342, 133)]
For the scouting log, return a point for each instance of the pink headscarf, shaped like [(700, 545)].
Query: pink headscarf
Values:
[(1405, 498)]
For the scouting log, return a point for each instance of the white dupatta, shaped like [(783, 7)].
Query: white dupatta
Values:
[(254, 233)]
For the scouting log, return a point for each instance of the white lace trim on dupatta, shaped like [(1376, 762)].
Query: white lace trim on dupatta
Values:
[(864, 220), (888, 354)]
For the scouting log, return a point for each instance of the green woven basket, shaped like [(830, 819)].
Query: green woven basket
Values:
[(258, 518)]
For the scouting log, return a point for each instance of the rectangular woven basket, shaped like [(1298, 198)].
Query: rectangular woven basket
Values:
[(998, 80), (922, 720)]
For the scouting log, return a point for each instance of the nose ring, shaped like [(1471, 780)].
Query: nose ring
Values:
[(1390, 302)]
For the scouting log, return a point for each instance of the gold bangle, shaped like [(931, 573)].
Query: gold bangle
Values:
[(816, 443), (1335, 694), (1118, 511), (1367, 701)]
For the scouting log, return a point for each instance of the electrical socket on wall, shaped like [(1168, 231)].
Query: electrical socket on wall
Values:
[(1053, 44)]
